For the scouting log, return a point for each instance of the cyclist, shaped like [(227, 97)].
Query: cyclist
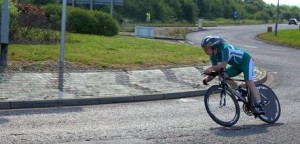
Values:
[(235, 61)]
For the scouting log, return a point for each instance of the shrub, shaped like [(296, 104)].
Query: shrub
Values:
[(26, 35), (53, 15), (26, 25), (43, 36), (31, 16), (81, 21), (106, 25)]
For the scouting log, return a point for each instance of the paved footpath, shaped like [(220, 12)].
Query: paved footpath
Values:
[(32, 90)]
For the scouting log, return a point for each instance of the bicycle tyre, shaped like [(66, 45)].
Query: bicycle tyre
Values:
[(212, 100), (272, 109)]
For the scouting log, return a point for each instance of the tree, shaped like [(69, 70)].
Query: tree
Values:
[(190, 10), (162, 12), (262, 16)]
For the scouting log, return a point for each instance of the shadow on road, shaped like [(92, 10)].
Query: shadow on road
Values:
[(42, 111), (2, 70), (55, 110), (244, 130), (3, 120)]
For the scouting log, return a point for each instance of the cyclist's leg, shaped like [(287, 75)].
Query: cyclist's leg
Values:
[(248, 70), (232, 72)]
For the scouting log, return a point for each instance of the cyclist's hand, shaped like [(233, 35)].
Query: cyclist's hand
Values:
[(205, 81), (208, 71)]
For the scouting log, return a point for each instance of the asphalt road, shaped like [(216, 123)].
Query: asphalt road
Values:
[(170, 121)]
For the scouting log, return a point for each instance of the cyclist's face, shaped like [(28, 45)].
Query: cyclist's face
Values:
[(208, 50)]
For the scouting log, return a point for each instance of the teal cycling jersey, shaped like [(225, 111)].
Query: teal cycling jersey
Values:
[(234, 56)]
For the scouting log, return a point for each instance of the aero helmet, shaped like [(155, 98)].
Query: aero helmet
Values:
[(212, 41)]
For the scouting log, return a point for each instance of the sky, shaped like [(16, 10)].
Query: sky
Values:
[(286, 2)]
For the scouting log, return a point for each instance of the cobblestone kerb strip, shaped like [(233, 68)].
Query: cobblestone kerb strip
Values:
[(39, 90)]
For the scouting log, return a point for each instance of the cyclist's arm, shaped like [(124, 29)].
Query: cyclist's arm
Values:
[(218, 67)]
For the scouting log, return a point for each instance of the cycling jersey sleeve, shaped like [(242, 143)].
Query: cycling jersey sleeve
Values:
[(213, 61), (225, 54)]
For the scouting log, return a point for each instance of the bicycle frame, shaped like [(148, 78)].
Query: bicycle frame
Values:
[(227, 87)]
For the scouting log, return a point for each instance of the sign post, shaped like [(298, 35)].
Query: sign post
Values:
[(62, 49), (4, 33), (111, 7), (277, 16)]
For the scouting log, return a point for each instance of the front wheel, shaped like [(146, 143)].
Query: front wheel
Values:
[(270, 104), (221, 106)]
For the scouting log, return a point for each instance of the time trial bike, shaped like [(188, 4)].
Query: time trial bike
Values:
[(222, 102)]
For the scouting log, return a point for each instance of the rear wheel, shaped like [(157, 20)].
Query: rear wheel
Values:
[(270, 104), (221, 106)]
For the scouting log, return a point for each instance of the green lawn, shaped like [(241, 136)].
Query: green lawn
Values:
[(286, 37), (111, 52)]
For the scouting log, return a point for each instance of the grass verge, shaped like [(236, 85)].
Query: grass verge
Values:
[(118, 52), (286, 37)]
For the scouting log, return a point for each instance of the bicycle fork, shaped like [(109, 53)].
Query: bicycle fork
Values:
[(222, 98)]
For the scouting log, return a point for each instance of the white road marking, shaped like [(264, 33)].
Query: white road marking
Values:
[(190, 42), (273, 72), (186, 100), (249, 46)]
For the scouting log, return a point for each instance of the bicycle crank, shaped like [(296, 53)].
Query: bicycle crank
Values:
[(247, 110)]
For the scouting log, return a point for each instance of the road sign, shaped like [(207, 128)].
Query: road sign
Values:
[(235, 14)]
